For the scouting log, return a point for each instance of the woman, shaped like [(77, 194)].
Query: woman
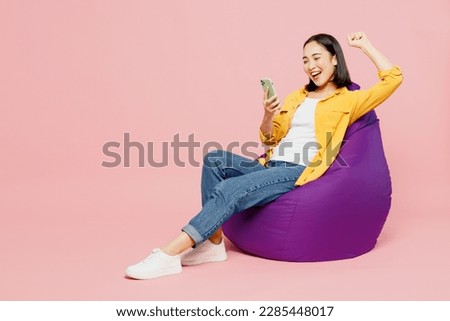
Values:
[(306, 133)]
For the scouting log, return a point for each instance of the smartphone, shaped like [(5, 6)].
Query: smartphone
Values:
[(267, 82)]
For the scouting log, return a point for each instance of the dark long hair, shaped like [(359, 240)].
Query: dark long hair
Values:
[(341, 76)]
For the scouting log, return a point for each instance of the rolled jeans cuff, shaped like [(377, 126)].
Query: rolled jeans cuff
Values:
[(193, 233)]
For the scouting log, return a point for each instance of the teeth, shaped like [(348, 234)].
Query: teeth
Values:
[(315, 74)]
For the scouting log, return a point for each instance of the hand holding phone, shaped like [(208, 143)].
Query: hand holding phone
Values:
[(267, 83), (270, 99)]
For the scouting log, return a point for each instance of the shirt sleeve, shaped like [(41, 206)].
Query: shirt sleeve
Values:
[(366, 100), (280, 123), (276, 125)]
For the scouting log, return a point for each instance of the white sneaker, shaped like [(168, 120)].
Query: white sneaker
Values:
[(155, 265), (205, 253)]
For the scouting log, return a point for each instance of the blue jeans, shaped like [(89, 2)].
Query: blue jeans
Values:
[(232, 183)]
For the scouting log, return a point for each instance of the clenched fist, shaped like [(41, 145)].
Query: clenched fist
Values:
[(358, 40)]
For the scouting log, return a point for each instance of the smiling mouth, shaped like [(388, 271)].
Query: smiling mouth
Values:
[(316, 74)]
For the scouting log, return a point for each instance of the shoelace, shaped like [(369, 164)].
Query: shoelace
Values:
[(155, 253)]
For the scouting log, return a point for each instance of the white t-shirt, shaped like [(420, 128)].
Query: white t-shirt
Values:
[(299, 146)]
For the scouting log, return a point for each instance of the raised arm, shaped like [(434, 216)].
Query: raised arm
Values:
[(360, 40), (390, 78)]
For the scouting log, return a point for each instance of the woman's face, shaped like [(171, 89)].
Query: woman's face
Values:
[(318, 63)]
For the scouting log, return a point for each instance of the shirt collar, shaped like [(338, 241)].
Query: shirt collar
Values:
[(338, 91)]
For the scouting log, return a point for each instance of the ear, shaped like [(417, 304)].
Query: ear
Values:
[(334, 60)]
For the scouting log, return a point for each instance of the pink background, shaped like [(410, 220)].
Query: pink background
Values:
[(77, 74)]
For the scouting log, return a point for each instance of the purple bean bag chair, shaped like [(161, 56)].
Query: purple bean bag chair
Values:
[(338, 216)]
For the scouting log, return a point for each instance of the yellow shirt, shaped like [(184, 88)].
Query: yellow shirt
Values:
[(332, 117)]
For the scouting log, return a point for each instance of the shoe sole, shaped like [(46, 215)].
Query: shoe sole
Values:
[(206, 260), (171, 271)]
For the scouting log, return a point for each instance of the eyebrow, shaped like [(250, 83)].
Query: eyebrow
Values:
[(316, 53)]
